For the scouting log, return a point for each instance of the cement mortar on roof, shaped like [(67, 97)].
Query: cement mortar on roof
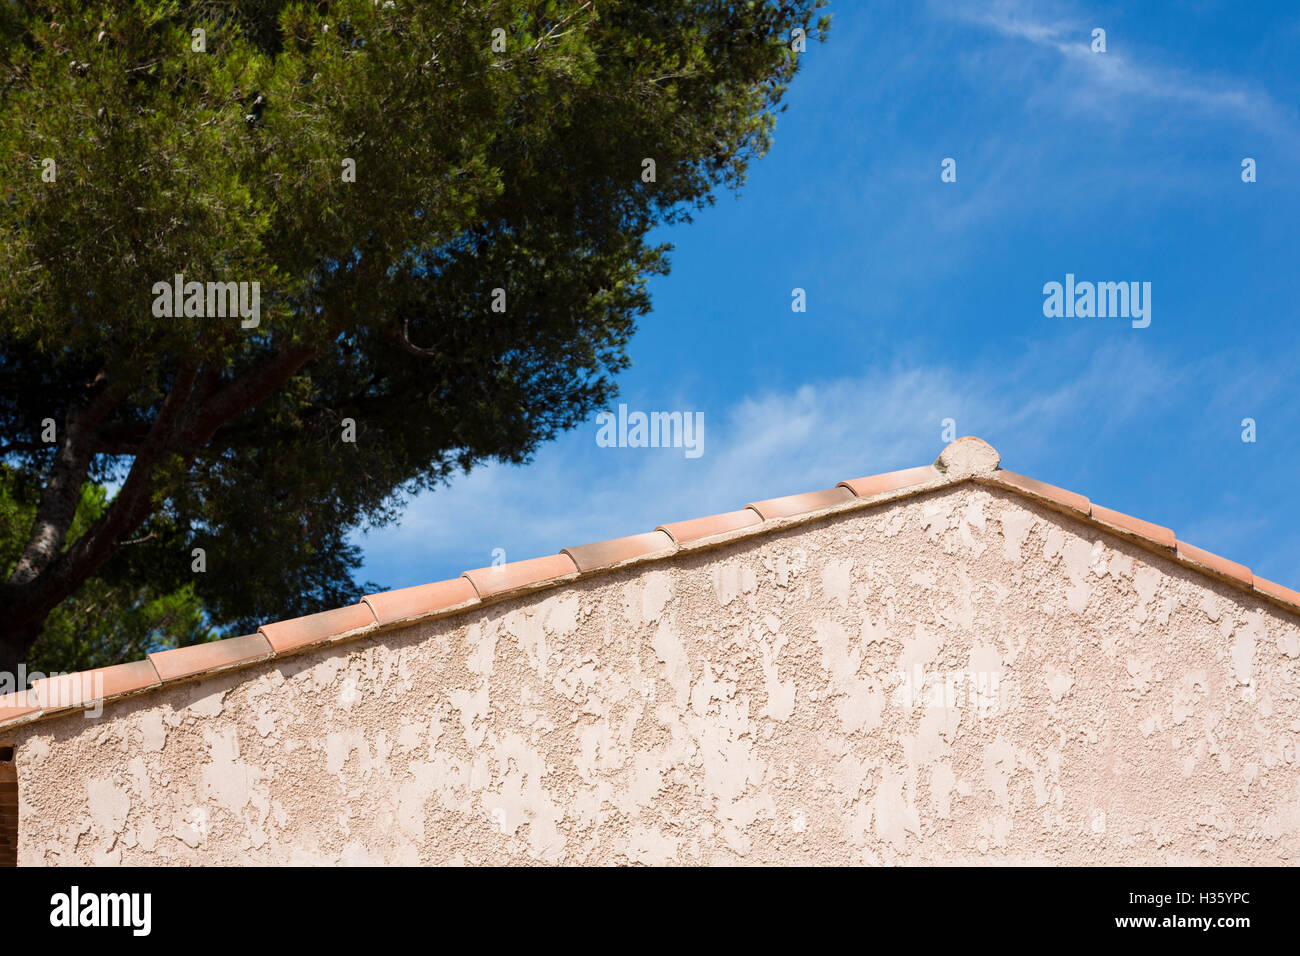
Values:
[(967, 456), (740, 704)]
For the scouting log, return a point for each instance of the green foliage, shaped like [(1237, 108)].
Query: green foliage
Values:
[(113, 617), (476, 169), (103, 625)]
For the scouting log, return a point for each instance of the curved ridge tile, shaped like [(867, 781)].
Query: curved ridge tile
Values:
[(521, 575), (423, 600), (337, 624), (695, 529), (604, 554), (182, 662), (791, 506), (874, 485)]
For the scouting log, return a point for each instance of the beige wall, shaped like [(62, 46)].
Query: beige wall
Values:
[(735, 705)]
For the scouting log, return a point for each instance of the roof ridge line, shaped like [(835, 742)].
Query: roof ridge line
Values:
[(966, 459)]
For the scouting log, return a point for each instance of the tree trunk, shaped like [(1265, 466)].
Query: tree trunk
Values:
[(14, 644), (48, 573)]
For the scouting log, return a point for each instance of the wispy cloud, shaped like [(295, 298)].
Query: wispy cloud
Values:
[(1122, 79), (774, 443)]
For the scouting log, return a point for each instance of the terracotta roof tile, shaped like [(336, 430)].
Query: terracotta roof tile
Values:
[(213, 656), (521, 575), (16, 706), (967, 459), (297, 632), (408, 604), (602, 554), (792, 505), (1222, 566), (1041, 490), (83, 687), (696, 528), (891, 481), (1153, 533), (1278, 592)]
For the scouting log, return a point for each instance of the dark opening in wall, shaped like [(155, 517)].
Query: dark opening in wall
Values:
[(8, 808)]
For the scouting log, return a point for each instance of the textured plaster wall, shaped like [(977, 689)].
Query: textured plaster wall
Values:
[(736, 705)]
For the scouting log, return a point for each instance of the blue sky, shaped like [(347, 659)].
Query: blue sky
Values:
[(925, 301)]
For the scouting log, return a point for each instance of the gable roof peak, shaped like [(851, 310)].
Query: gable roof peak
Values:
[(966, 459)]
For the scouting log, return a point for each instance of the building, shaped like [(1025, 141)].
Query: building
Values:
[(948, 664)]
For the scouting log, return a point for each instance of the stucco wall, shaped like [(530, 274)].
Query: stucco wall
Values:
[(736, 705)]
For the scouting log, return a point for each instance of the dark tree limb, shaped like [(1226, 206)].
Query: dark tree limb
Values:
[(190, 414), (58, 504)]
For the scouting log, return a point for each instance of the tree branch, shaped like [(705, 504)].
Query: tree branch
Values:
[(59, 499), (403, 339), (241, 395), (176, 430), (53, 573)]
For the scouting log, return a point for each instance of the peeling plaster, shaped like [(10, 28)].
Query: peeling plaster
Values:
[(962, 676)]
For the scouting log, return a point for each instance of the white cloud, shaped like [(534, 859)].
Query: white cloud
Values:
[(779, 442), (1117, 81)]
